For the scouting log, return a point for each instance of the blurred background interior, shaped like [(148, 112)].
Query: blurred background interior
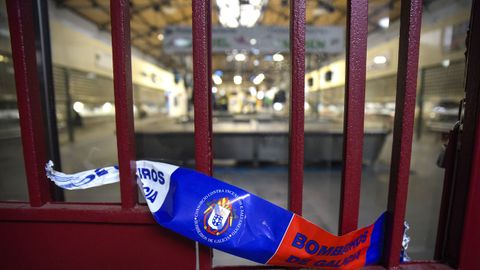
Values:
[(251, 96)]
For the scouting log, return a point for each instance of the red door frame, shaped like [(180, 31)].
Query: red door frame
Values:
[(43, 232), (465, 220)]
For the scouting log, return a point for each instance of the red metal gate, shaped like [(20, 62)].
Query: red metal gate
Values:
[(45, 233)]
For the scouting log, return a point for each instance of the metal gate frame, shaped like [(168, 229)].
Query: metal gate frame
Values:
[(26, 228)]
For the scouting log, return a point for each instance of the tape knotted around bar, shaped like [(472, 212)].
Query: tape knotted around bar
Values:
[(235, 221)]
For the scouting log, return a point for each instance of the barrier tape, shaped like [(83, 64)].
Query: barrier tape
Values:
[(235, 221)]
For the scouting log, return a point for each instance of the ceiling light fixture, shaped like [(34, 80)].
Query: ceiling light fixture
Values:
[(235, 13), (260, 95), (380, 59), (240, 57), (258, 79), (446, 63), (384, 22), (277, 57), (217, 79), (78, 106), (237, 79), (277, 106), (107, 107), (160, 36)]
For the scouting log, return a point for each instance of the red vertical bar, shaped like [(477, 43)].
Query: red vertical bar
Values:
[(469, 252), (410, 24), (122, 82), (20, 19), (357, 34), (202, 84), (297, 101), (201, 44)]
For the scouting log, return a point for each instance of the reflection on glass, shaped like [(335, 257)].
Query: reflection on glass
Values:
[(82, 73)]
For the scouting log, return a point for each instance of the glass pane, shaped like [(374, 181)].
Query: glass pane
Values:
[(251, 89), (440, 90), (162, 86), (163, 82), (380, 90), (324, 106), (82, 72), (13, 184)]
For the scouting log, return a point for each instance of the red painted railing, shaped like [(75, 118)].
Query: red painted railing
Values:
[(122, 82), (20, 20), (43, 232), (297, 58), (41, 209), (357, 32), (202, 96), (410, 25)]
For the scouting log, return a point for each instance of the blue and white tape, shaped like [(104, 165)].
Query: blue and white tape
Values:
[(233, 220)]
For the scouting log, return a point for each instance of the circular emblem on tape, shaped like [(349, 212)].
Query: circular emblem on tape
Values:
[(219, 215)]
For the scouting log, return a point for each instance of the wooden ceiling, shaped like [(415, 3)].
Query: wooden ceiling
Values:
[(149, 18)]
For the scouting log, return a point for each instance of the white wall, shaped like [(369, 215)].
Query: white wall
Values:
[(78, 44), (386, 43)]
